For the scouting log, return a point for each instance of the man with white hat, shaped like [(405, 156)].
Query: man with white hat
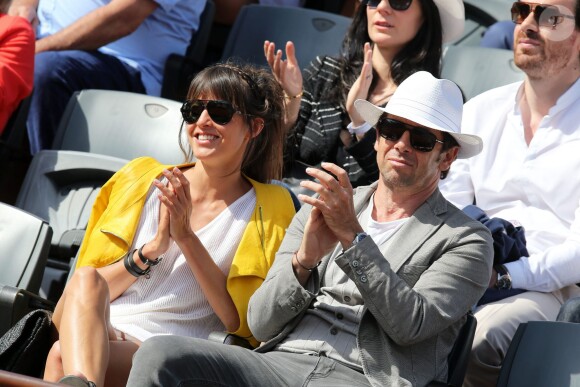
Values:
[(373, 286), (528, 174)]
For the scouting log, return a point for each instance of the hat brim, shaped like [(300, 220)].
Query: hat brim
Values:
[(469, 145), (452, 14)]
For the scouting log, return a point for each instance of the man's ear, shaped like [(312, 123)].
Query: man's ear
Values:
[(257, 126), (448, 157)]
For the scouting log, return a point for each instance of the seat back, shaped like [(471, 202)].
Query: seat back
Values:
[(60, 187), (24, 244), (459, 355), (313, 32), (477, 69), (180, 69), (121, 124), (542, 354)]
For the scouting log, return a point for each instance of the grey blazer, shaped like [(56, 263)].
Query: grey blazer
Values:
[(416, 293)]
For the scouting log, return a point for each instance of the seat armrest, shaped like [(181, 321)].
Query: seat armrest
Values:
[(15, 303)]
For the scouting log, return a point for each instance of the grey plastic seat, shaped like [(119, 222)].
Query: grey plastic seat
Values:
[(542, 354), (313, 32), (60, 187), (121, 124), (24, 244), (478, 69)]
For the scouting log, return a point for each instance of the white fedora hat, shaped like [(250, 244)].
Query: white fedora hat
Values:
[(430, 102), (452, 14)]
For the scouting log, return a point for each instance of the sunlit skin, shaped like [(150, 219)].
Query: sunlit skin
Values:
[(540, 57), (391, 30), (551, 67), (218, 145), (408, 172)]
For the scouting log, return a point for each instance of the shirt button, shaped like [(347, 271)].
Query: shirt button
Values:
[(359, 272), (333, 331), (355, 264), (346, 298), (363, 278), (293, 308), (339, 316)]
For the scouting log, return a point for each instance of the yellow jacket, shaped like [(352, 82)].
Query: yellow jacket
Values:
[(117, 209)]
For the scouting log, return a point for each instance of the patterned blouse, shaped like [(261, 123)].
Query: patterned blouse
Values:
[(316, 135)]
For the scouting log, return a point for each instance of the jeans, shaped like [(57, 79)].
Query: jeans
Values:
[(180, 361), (58, 75)]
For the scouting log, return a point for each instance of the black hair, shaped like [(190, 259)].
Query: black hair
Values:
[(448, 143), (255, 92), (577, 16), (423, 52)]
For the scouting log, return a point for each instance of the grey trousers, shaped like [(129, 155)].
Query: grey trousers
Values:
[(177, 361)]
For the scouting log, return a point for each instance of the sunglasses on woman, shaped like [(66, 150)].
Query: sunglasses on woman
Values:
[(550, 15), (397, 5), (221, 112), (421, 138)]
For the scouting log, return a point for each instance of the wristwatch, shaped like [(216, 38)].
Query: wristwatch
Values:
[(504, 279)]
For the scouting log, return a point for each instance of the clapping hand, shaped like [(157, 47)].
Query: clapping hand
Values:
[(287, 72), (333, 218), (176, 198), (360, 88)]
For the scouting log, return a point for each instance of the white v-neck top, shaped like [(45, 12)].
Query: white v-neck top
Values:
[(171, 301)]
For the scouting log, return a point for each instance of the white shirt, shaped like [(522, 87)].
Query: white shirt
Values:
[(171, 301), (537, 186), (167, 30)]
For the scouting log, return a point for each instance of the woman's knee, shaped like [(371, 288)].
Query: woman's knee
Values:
[(86, 283)]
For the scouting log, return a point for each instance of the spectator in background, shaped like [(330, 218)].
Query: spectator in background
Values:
[(387, 42), (179, 250), (16, 62), (527, 174), (100, 44)]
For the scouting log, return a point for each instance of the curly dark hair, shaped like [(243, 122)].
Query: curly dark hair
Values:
[(255, 92), (423, 52)]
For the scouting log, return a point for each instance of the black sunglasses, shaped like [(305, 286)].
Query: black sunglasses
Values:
[(221, 112), (397, 5), (550, 15), (421, 138)]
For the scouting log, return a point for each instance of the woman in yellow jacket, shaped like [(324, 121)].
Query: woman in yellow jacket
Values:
[(179, 250)]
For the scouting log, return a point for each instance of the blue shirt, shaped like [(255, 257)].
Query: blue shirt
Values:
[(167, 30)]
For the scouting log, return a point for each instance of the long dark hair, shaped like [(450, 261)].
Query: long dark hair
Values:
[(255, 93), (423, 52)]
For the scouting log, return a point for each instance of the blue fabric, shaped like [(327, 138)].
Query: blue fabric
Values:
[(509, 244), (58, 74), (167, 30), (499, 35)]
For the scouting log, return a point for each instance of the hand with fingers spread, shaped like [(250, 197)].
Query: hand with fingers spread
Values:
[(176, 198), (360, 88), (335, 204), (287, 72)]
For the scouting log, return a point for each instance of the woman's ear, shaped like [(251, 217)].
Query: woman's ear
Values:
[(257, 126)]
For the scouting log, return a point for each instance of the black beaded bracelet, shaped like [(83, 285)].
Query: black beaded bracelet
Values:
[(147, 261), (304, 267), (132, 267)]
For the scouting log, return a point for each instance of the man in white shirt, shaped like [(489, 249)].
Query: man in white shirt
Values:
[(100, 44), (528, 174)]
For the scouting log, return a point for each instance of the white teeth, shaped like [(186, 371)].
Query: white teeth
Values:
[(206, 137)]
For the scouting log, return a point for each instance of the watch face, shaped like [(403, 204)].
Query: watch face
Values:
[(504, 282)]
